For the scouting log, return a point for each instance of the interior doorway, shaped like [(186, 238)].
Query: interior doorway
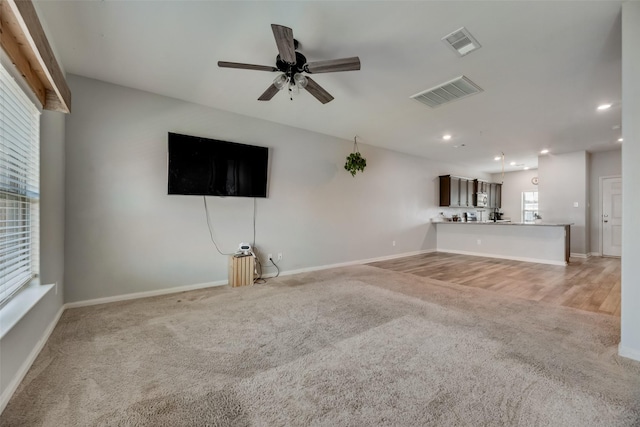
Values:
[(611, 218)]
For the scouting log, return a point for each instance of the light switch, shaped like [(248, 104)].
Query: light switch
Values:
[(576, 204)]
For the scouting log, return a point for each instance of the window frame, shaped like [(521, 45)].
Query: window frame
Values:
[(523, 206), (26, 196)]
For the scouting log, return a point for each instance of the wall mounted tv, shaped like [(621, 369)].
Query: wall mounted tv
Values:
[(208, 167)]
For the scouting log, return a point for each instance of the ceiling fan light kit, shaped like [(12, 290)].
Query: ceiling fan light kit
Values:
[(291, 64)]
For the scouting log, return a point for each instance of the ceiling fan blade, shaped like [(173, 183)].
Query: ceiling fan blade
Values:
[(225, 64), (317, 91), (285, 43), (269, 93), (331, 65)]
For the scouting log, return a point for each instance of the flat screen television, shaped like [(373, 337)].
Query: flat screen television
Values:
[(209, 167)]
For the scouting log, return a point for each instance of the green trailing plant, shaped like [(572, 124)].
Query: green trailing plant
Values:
[(355, 161)]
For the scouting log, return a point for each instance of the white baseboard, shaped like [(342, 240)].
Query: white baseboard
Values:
[(24, 368), (349, 263), (513, 258), (144, 294), (594, 254), (577, 255), (629, 353), (147, 294)]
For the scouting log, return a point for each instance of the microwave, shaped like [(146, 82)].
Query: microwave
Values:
[(482, 200)]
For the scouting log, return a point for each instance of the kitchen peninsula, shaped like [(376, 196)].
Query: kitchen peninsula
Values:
[(543, 243)]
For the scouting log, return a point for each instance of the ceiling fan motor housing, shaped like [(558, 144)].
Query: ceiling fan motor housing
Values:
[(291, 69)]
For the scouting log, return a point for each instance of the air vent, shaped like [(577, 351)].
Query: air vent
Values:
[(461, 41), (458, 88)]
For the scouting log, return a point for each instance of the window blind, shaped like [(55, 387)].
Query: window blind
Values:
[(19, 187)]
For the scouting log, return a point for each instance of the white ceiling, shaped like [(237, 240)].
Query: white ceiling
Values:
[(544, 67)]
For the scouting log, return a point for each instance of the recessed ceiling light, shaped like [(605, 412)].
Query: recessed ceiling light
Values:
[(545, 151), (604, 107), (526, 168), (446, 137), (512, 163), (496, 158), (620, 139)]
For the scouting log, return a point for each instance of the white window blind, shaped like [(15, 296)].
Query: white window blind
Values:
[(19, 187), (529, 206)]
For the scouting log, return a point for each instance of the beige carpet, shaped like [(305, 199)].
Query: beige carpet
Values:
[(355, 346)]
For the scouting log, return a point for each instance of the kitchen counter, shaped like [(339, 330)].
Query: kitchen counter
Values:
[(546, 243), (547, 224)]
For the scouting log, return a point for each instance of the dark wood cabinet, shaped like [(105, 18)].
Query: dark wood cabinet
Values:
[(495, 196), (457, 192), (471, 193), (462, 200), (492, 196), (481, 186), (449, 191), (445, 190)]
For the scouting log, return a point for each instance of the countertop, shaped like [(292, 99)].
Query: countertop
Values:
[(547, 224)]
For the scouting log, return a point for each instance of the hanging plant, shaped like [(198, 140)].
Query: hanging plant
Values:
[(355, 161)]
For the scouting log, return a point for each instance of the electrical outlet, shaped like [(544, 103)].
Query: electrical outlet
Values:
[(479, 241), (279, 256), (393, 243), (270, 256)]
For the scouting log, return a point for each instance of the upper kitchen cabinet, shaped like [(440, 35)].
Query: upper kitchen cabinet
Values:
[(456, 191), (495, 195), (449, 191), (481, 186)]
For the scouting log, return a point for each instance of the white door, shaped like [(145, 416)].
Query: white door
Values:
[(612, 216)]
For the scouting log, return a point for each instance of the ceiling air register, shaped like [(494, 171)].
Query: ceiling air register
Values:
[(455, 89)]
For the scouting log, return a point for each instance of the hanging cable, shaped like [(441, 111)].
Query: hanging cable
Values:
[(276, 266), (502, 181), (254, 222), (206, 211)]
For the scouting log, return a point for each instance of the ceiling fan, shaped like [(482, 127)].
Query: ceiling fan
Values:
[(292, 64)]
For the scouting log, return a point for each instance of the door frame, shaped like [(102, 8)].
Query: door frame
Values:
[(600, 198)]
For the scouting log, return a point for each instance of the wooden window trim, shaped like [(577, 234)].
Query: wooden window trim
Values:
[(26, 44)]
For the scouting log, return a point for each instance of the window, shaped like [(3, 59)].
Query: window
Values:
[(529, 206), (19, 187)]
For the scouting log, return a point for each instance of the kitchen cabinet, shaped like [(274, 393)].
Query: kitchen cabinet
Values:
[(481, 186), (471, 193), (462, 200), (456, 191), (449, 191), (495, 196)]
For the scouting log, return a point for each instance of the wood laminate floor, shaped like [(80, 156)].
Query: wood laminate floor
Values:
[(587, 284)]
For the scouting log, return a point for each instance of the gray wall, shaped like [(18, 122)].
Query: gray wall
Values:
[(24, 337), (630, 322), (124, 234), (563, 182), (512, 187), (607, 163)]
